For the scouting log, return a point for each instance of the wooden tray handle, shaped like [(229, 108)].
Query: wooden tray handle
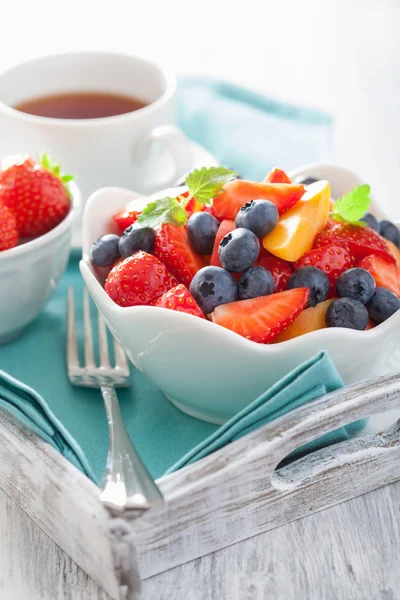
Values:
[(328, 413)]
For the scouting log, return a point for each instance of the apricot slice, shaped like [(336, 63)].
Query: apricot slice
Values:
[(297, 228), (311, 319)]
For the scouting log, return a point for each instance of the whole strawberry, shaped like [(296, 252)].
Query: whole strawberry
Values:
[(36, 194), (179, 298), (8, 229), (332, 260), (280, 269), (139, 279)]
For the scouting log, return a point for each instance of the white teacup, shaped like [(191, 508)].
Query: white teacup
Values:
[(141, 150)]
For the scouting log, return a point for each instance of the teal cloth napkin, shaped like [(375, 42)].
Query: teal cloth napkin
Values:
[(251, 134), (248, 131)]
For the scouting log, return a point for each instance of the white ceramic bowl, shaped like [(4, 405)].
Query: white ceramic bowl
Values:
[(29, 273), (210, 372)]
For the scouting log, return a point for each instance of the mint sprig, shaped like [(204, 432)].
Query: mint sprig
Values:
[(165, 210), (55, 169), (353, 206), (206, 183)]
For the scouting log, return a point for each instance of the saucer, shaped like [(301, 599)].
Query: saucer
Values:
[(201, 158)]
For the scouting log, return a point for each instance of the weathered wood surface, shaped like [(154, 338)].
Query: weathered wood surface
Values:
[(222, 499), (347, 552)]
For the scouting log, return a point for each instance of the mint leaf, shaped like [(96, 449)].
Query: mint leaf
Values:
[(353, 206), (204, 184), (165, 210)]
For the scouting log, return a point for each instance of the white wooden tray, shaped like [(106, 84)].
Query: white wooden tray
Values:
[(227, 497)]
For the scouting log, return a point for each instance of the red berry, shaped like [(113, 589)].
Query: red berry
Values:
[(173, 249), (8, 229), (332, 260), (226, 227), (262, 319), (239, 191), (139, 279), (125, 218), (281, 269), (179, 298), (35, 195), (385, 273), (359, 241), (277, 176)]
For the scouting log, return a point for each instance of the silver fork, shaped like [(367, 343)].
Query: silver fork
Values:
[(127, 484)]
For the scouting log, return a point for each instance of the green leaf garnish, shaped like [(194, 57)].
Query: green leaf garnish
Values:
[(55, 169), (353, 206), (205, 183), (165, 210)]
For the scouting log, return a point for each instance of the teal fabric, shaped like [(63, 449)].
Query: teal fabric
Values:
[(251, 134)]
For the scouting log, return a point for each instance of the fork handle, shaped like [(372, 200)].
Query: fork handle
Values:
[(127, 484)]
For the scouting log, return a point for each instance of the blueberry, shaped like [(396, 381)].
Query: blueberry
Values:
[(382, 305), (104, 252), (260, 216), (308, 180), (372, 222), (255, 281), (136, 238), (212, 286), (238, 250), (356, 283), (201, 231), (390, 232), (315, 280), (347, 312)]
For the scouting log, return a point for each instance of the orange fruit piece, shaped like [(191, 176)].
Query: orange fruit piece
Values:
[(311, 319), (296, 230)]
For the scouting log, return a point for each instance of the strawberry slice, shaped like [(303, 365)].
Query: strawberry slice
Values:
[(125, 218), (280, 269), (332, 260), (226, 227), (276, 176), (385, 273), (239, 191), (179, 298), (359, 241), (262, 319), (139, 279), (173, 249)]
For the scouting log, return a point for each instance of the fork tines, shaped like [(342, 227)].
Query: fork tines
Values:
[(90, 374)]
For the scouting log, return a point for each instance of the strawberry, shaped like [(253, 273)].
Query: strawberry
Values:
[(386, 274), (226, 227), (276, 176), (36, 194), (179, 298), (125, 218), (359, 241), (139, 279), (8, 229), (262, 319), (235, 193), (281, 269), (332, 260), (173, 249)]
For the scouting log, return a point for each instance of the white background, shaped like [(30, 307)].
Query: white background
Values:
[(342, 56)]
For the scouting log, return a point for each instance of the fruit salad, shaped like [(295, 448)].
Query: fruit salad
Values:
[(34, 198), (269, 260)]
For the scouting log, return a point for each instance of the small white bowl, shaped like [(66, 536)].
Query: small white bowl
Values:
[(29, 273), (208, 371)]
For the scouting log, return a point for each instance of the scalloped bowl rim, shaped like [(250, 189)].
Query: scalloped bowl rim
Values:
[(326, 336)]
